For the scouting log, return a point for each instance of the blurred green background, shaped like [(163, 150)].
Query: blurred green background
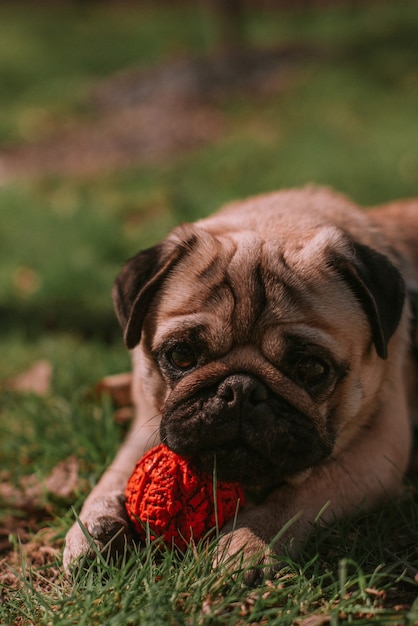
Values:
[(88, 178), (118, 120)]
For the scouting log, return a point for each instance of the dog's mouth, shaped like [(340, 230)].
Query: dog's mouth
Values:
[(235, 461), (244, 434)]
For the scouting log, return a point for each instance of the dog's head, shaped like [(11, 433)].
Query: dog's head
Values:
[(263, 351)]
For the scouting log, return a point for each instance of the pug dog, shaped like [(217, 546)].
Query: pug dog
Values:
[(273, 341)]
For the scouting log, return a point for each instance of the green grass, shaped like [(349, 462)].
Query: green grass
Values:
[(154, 587), (346, 118)]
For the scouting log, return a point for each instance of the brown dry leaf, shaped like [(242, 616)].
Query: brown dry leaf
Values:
[(377, 593), (9, 526), (62, 482), (118, 387), (26, 496), (40, 553), (36, 379), (314, 620), (63, 479), (124, 415), (26, 281)]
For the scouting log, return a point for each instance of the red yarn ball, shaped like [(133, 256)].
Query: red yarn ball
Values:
[(169, 494)]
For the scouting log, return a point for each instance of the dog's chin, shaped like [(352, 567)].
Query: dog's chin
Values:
[(237, 462)]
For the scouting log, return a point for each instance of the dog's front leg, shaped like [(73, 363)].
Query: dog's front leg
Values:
[(103, 517)]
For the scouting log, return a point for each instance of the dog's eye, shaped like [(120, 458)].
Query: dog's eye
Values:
[(182, 357), (310, 372)]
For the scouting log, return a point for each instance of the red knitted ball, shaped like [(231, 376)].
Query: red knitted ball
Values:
[(167, 492)]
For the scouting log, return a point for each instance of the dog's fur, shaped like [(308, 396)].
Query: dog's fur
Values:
[(273, 339)]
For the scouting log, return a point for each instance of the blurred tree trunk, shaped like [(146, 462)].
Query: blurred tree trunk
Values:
[(230, 15)]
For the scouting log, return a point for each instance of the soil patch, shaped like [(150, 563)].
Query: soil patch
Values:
[(149, 116)]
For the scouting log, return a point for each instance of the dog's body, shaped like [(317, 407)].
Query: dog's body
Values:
[(273, 339)]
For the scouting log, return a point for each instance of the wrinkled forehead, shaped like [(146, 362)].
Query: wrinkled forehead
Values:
[(236, 289)]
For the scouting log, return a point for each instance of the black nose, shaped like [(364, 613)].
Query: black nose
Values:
[(242, 391)]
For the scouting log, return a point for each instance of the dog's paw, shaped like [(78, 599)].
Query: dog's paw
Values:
[(103, 528), (244, 553)]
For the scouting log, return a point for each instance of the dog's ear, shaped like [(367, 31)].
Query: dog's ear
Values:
[(378, 286), (141, 278)]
